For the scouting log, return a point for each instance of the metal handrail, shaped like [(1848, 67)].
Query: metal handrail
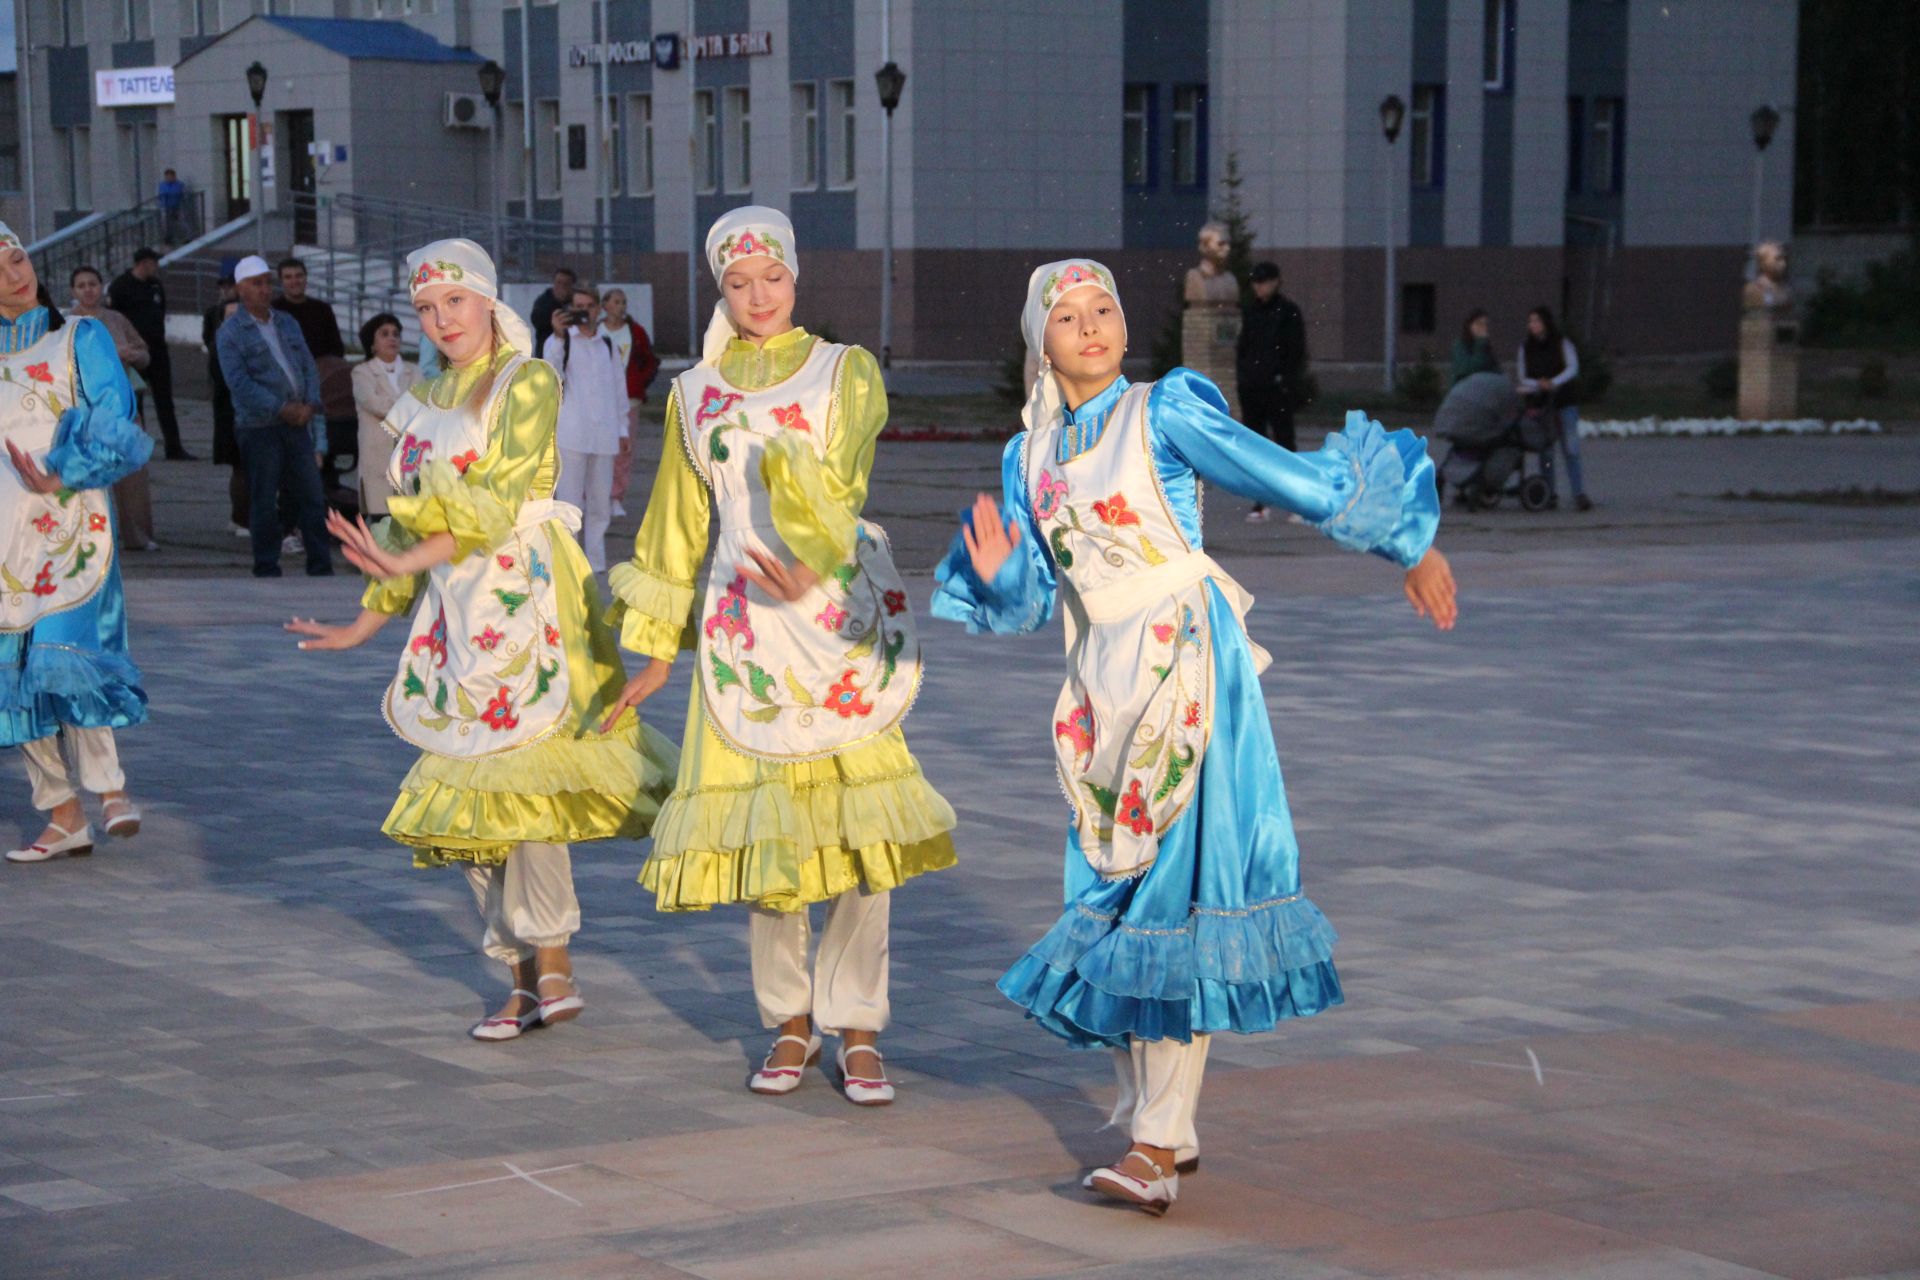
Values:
[(108, 243)]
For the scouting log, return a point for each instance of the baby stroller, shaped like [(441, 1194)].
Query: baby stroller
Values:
[(1491, 438)]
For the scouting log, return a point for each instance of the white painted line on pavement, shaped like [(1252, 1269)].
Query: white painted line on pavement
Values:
[(518, 1175)]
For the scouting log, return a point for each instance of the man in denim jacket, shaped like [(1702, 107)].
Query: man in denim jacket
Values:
[(277, 419)]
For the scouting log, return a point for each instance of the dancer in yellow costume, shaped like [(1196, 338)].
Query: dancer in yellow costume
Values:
[(795, 783), (509, 673)]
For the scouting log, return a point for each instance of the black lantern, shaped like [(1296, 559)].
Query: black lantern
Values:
[(257, 83), (493, 78), (1764, 121), (1392, 112), (892, 81)]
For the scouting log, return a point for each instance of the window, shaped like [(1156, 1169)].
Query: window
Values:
[(1496, 47), (1189, 135), (640, 144), (1417, 308), (1136, 135), (136, 19), (739, 106), (613, 157), (577, 148), (805, 115), (706, 132), (840, 136), (1604, 145), (1576, 145), (234, 12), (190, 17), (73, 25), (77, 158), (547, 167), (1426, 133)]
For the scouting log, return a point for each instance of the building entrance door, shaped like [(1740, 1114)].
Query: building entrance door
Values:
[(236, 167), (301, 174)]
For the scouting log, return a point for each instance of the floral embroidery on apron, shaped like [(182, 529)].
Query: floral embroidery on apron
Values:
[(1134, 715), (801, 680), (485, 668), (58, 545)]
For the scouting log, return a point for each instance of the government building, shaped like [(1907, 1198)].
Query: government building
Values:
[(1595, 155)]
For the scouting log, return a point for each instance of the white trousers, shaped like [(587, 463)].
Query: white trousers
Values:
[(95, 757), (527, 901), (1159, 1089), (847, 990), (586, 481)]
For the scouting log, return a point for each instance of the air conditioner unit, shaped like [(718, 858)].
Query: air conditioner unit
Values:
[(468, 111)]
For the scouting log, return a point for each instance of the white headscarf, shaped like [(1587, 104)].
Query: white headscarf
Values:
[(8, 240), (751, 231), (1045, 287), (466, 264)]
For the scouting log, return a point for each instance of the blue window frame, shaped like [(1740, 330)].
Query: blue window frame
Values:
[(1188, 137), (1427, 132), (1139, 152)]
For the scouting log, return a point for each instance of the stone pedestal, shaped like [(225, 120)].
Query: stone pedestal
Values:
[(1208, 332), (1769, 365)]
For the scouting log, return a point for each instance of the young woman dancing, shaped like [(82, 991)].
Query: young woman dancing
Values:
[(509, 673), (1184, 914), (66, 682), (795, 785)]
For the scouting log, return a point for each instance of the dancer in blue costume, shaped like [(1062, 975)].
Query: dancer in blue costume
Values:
[(65, 678), (1184, 913)]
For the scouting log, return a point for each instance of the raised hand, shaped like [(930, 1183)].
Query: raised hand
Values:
[(651, 679), (363, 550), (989, 542), (778, 580), (1430, 590), (30, 473)]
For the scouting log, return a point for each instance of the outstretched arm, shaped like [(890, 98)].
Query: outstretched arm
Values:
[(320, 635)]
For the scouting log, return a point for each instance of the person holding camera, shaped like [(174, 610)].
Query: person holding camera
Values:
[(593, 416)]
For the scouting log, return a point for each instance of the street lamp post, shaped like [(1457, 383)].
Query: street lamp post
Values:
[(1764, 121), (1392, 112), (493, 79), (891, 81), (257, 87)]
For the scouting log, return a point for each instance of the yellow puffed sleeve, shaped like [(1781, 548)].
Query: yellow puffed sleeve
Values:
[(816, 502), (480, 506), (391, 595), (653, 592)]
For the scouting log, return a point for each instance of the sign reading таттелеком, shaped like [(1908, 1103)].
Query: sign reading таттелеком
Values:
[(133, 87)]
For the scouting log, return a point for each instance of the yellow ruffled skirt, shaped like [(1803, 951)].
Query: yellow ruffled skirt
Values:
[(574, 784), (783, 836)]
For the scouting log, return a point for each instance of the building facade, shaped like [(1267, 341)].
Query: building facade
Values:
[(1590, 154)]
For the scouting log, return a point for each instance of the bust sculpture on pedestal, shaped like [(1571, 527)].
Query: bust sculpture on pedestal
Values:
[(1210, 322), (1769, 339)]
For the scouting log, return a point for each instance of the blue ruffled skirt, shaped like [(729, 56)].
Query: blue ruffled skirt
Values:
[(1216, 936), (73, 669)]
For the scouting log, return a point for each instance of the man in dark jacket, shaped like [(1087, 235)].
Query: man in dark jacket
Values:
[(138, 295), (541, 320), (1271, 363), (318, 325)]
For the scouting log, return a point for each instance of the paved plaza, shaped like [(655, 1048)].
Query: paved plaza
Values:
[(1624, 869)]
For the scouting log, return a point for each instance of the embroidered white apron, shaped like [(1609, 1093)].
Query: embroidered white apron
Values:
[(791, 681), (1133, 719), (56, 549), (485, 669)]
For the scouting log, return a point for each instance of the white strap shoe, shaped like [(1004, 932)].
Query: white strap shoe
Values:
[(774, 1081), (1154, 1195), (564, 1008), (509, 1027), (71, 844), (864, 1091), (1185, 1160), (122, 816)]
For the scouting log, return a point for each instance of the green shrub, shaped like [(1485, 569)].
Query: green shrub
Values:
[(1420, 384), (1882, 311), (1722, 380), (1873, 378), (1590, 385), (1011, 387)]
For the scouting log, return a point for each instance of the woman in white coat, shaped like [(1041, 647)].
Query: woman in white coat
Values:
[(378, 383)]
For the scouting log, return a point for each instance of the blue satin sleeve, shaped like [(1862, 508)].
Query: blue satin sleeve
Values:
[(1367, 488), (97, 441), (1020, 598)]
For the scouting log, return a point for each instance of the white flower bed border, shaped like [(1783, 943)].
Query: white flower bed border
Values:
[(1625, 427)]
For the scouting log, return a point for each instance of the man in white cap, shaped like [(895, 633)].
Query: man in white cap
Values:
[(277, 419)]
